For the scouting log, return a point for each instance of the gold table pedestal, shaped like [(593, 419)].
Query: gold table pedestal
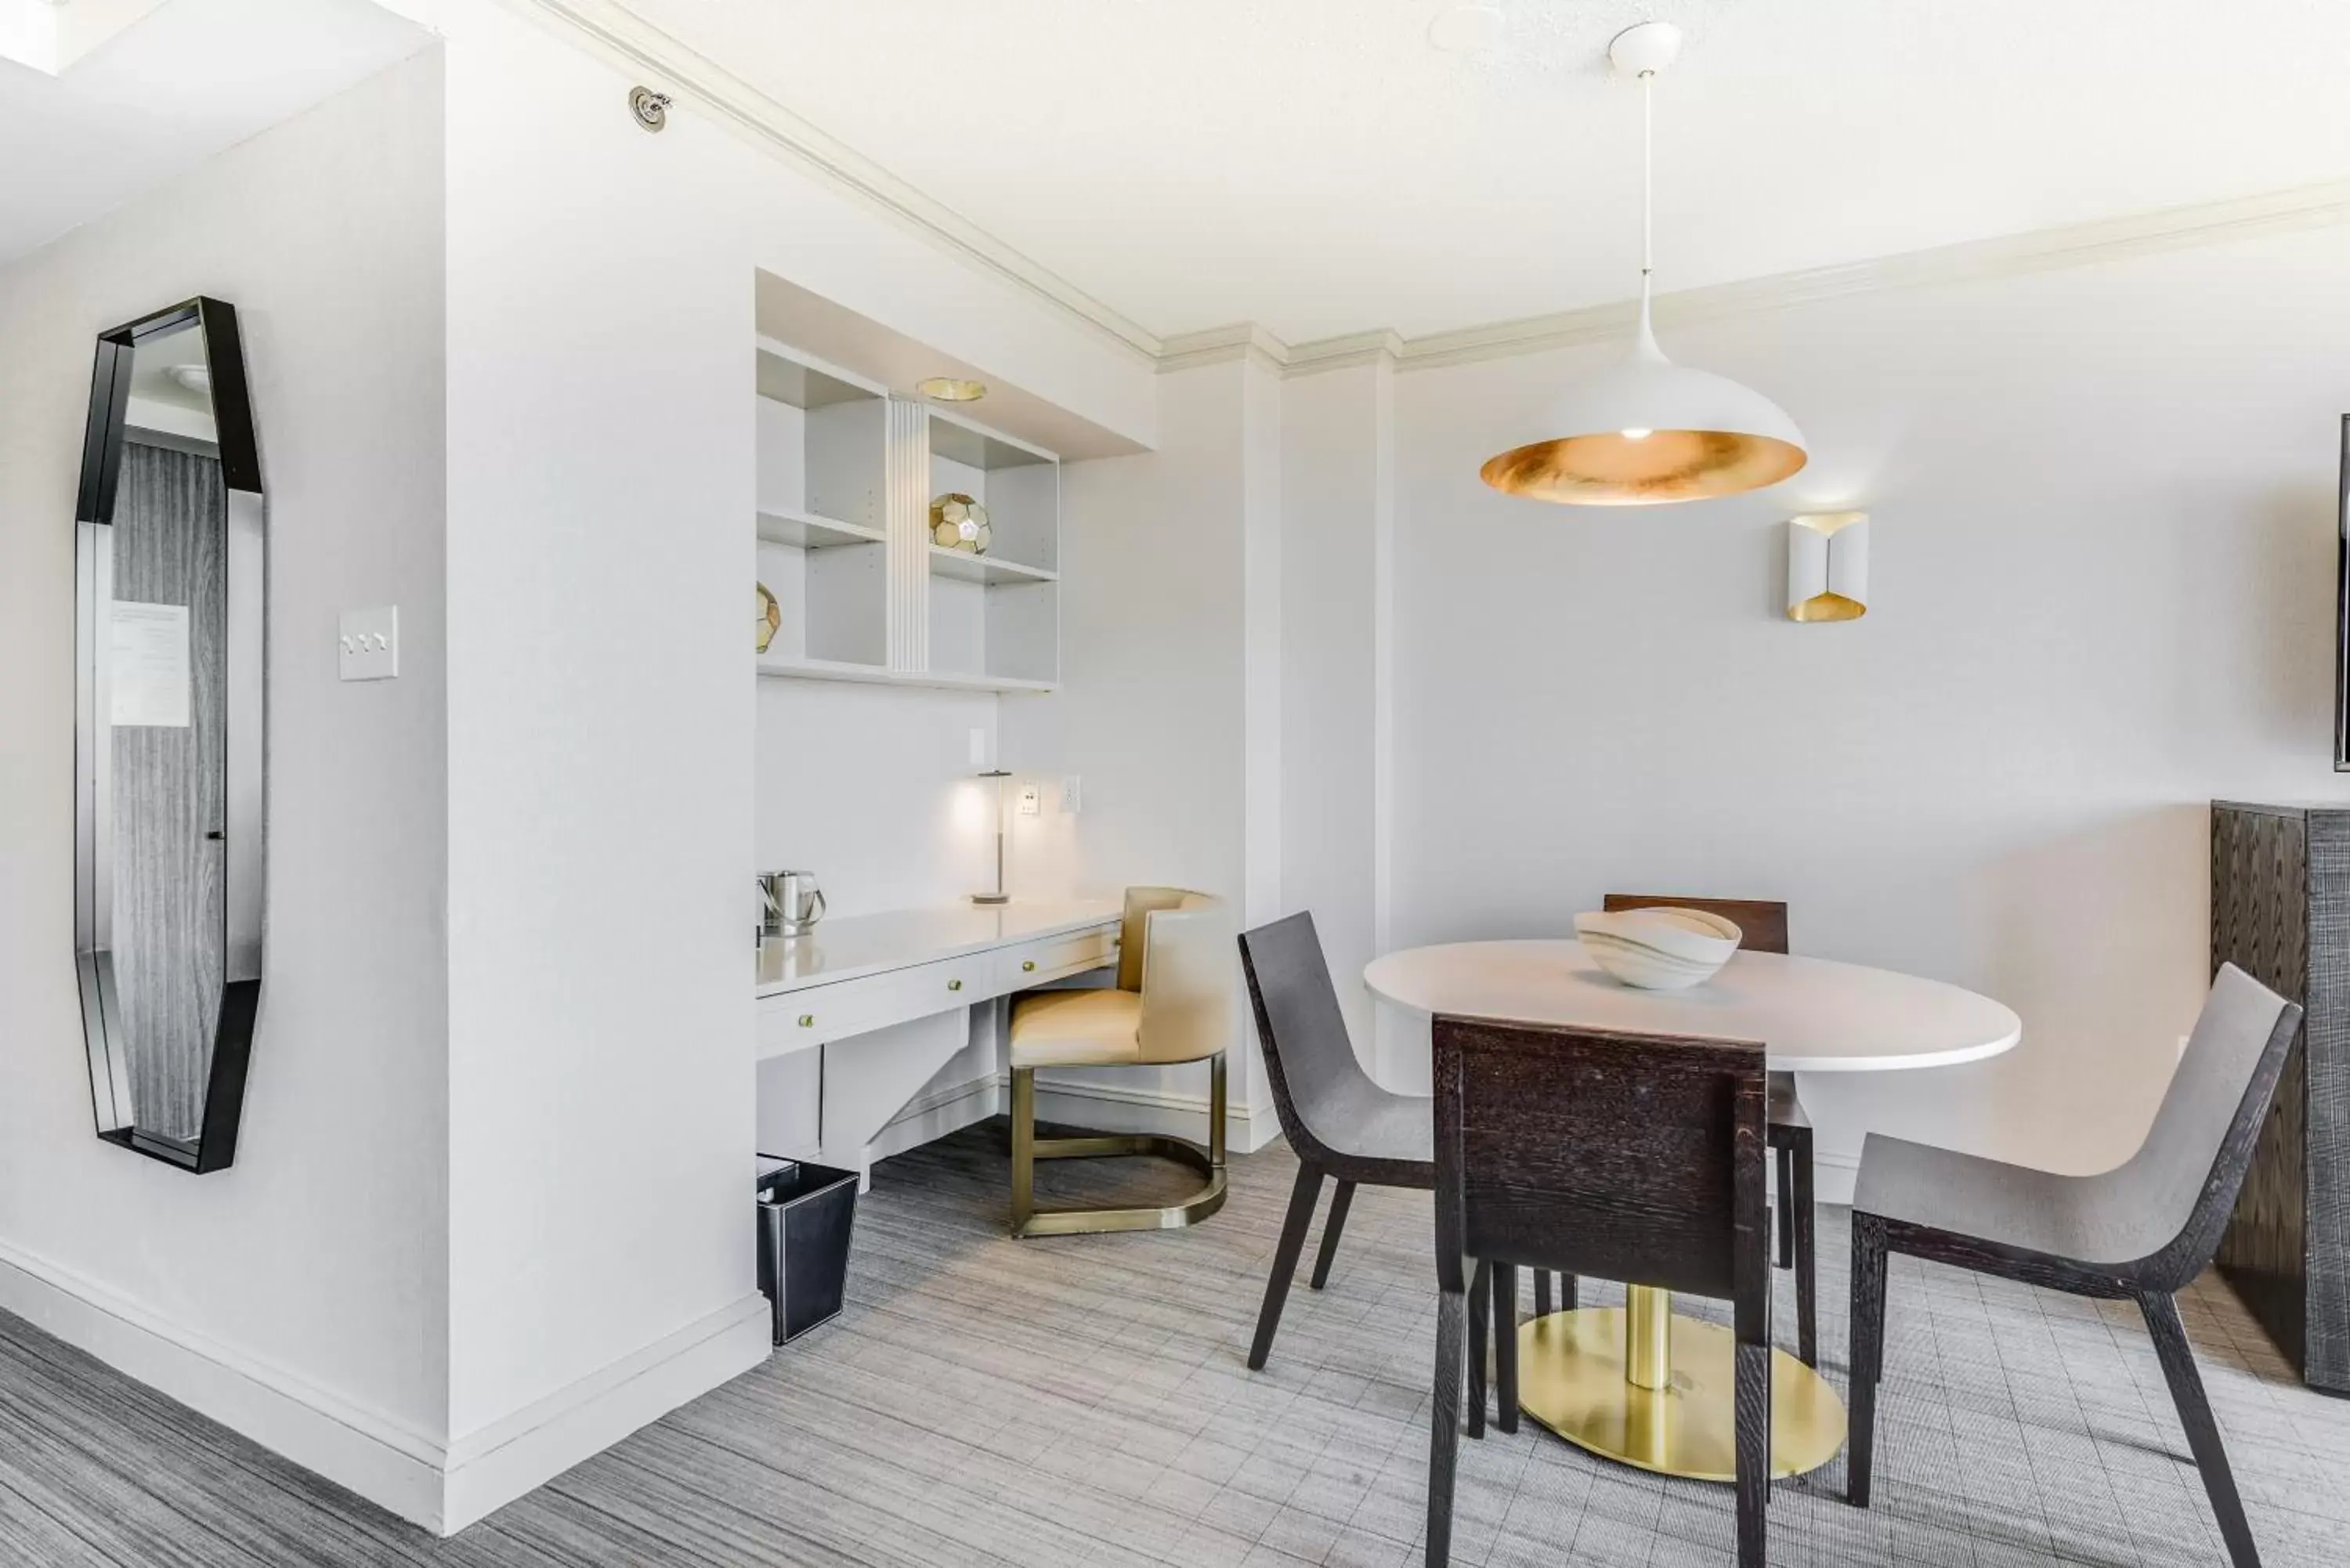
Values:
[(1575, 1372)]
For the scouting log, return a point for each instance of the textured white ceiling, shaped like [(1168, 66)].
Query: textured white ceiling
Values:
[(177, 86), (1315, 166)]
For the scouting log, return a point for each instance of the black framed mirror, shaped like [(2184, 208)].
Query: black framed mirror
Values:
[(169, 616)]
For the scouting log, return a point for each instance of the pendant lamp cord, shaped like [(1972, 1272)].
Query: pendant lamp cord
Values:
[(1648, 189)]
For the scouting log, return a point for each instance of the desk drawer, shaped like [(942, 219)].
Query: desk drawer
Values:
[(1055, 958), (817, 1014)]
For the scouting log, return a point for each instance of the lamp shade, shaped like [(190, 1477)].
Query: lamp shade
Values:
[(1650, 431)]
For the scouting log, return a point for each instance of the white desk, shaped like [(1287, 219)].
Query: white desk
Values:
[(882, 1000)]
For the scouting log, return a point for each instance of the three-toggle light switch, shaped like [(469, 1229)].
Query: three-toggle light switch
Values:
[(368, 644)]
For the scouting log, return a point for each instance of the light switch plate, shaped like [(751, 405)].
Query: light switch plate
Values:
[(1029, 804), (368, 643), (1073, 796)]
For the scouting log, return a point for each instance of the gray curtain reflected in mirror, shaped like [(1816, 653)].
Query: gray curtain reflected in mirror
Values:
[(168, 567)]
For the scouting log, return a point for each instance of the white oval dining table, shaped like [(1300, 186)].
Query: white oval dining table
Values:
[(1639, 1382)]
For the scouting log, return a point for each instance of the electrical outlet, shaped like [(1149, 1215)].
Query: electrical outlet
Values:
[(1028, 802), (1073, 796), (368, 644)]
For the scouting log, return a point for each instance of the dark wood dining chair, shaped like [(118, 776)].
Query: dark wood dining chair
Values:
[(1625, 1157), (2138, 1233), (1340, 1123), (1762, 928)]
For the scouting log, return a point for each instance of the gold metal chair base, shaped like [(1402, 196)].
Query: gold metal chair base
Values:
[(1572, 1378), (1027, 1219)]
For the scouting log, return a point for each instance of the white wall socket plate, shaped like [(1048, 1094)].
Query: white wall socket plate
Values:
[(368, 644), (1073, 796), (1029, 804)]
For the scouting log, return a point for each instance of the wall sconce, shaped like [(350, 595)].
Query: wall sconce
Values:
[(1828, 566)]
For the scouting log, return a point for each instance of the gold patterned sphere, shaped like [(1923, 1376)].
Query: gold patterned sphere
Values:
[(960, 523)]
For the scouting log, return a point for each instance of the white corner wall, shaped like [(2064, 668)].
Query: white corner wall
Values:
[(1164, 701), (300, 1295), (2102, 593)]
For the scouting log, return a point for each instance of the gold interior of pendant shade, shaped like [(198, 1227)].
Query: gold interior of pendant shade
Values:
[(1827, 606), (1615, 470)]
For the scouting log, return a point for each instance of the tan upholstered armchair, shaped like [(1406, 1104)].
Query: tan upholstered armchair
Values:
[(1174, 1002)]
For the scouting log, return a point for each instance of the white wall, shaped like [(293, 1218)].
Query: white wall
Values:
[(315, 1268), (1153, 707), (1337, 506), (2102, 593)]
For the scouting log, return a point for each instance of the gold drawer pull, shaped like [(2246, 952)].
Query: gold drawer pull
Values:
[(1027, 966), (955, 985), (807, 1020)]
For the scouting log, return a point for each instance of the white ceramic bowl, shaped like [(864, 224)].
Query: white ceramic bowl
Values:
[(1659, 949)]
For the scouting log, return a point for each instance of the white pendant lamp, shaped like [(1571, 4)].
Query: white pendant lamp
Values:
[(1650, 431)]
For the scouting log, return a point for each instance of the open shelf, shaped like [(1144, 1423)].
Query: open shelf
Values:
[(823, 535), (806, 531), (965, 568), (1019, 484), (771, 666)]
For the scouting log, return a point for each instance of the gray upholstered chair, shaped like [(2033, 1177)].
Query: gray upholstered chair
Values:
[(2138, 1233), (1340, 1123)]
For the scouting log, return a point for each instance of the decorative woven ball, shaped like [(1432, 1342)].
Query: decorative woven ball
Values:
[(958, 523)]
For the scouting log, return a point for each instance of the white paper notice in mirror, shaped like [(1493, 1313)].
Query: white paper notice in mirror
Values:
[(149, 669)]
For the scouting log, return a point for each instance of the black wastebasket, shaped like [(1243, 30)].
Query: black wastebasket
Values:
[(806, 1213)]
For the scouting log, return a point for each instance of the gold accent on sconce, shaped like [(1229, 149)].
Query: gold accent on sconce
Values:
[(1828, 566)]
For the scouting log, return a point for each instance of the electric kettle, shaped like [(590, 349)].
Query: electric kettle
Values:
[(794, 902)]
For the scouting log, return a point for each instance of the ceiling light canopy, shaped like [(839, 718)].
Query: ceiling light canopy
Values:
[(950, 389), (1650, 431)]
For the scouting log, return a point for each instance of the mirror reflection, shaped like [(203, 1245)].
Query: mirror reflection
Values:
[(169, 542)]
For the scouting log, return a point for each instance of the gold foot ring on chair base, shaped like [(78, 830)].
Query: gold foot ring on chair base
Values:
[(1090, 1222), (1573, 1378)]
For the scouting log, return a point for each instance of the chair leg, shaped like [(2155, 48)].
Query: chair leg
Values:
[(1302, 1197), (1807, 1274), (1340, 1201), (2178, 1359), (1481, 1317), (1505, 1346), (1868, 1356), (1542, 1292), (1786, 1230), (1023, 1148), (1444, 1432), (1566, 1292), (1751, 1415)]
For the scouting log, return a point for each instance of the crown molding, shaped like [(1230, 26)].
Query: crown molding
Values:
[(610, 29), (618, 34), (2166, 229)]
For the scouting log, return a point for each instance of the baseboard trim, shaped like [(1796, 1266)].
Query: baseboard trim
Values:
[(1833, 1176), (929, 1117), (1114, 1108), (497, 1463), (367, 1451)]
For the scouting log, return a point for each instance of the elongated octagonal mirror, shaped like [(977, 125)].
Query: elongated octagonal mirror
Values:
[(168, 625)]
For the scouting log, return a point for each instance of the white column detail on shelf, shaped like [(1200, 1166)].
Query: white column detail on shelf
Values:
[(909, 508)]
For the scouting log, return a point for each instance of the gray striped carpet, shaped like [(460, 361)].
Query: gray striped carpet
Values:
[(1083, 1401)]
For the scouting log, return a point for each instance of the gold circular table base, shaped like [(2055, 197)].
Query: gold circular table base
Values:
[(1571, 1379)]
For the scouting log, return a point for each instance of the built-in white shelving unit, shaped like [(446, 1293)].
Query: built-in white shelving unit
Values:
[(847, 474)]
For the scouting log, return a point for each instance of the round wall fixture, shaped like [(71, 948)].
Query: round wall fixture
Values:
[(650, 108), (950, 389), (194, 378), (1465, 29)]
